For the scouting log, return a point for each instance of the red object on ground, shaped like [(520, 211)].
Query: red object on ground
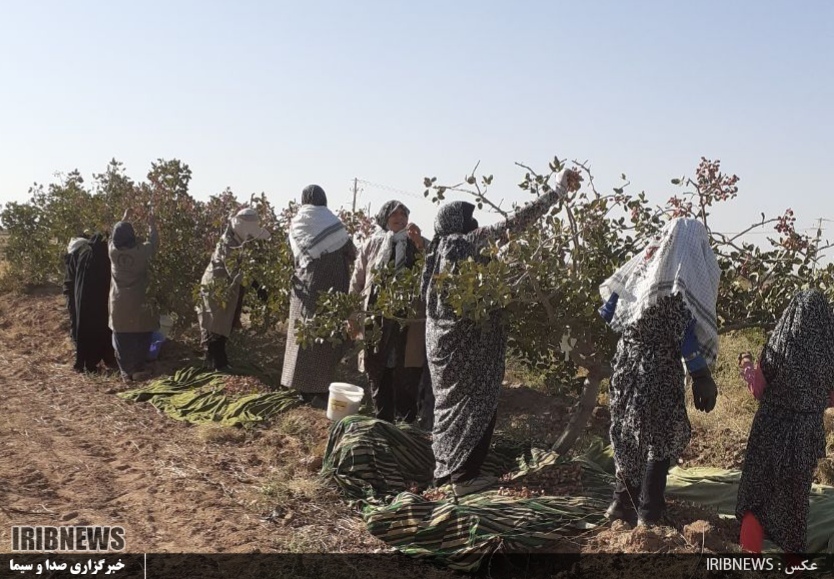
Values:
[(752, 533)]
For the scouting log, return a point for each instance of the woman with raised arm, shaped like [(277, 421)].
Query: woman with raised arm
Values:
[(466, 359), (221, 289), (394, 366), (132, 318)]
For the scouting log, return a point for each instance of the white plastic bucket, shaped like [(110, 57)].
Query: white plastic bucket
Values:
[(165, 325), (344, 400)]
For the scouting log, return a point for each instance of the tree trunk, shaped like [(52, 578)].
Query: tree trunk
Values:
[(579, 416)]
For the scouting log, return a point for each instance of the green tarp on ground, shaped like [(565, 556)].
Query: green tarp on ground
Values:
[(717, 489), (375, 462), (196, 396)]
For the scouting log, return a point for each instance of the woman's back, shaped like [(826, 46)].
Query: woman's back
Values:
[(798, 360), (129, 265)]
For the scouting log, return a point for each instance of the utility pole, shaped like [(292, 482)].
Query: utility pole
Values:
[(355, 191), (817, 244)]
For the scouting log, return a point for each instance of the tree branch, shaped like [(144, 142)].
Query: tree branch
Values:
[(767, 326), (481, 197), (548, 307), (584, 167), (528, 169)]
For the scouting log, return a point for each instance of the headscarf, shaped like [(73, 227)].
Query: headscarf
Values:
[(392, 245), (76, 243), (388, 209), (798, 360), (100, 257), (98, 242), (246, 225), (315, 231), (123, 235), (313, 195), (678, 261), (454, 218)]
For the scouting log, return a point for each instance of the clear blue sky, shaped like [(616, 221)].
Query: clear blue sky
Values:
[(272, 95)]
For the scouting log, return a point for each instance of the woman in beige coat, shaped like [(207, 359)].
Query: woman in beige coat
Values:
[(132, 317), (395, 365), (221, 293)]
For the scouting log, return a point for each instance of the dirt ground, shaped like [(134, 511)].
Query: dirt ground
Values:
[(74, 453)]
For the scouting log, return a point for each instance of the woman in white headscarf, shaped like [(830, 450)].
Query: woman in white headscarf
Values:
[(662, 302), (221, 294), (323, 254), (395, 365)]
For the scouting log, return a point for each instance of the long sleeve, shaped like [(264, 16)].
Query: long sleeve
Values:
[(520, 220), (350, 252), (691, 349), (360, 270), (69, 276), (69, 292), (609, 308)]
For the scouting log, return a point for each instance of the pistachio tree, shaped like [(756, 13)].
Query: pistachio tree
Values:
[(545, 280)]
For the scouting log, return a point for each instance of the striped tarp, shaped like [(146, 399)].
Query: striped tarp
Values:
[(375, 462), (197, 396)]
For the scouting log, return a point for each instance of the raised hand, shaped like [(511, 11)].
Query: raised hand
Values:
[(414, 235)]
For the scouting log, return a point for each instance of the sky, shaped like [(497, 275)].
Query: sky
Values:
[(269, 96)]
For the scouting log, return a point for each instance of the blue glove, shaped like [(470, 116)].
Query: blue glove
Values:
[(607, 310), (691, 349)]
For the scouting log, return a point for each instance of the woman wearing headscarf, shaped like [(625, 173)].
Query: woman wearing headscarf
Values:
[(86, 287), (395, 365), (323, 254), (662, 302), (132, 318), (794, 383), (465, 358), (221, 294)]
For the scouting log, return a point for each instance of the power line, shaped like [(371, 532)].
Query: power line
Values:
[(389, 188)]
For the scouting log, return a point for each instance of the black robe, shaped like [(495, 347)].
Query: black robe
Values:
[(87, 288)]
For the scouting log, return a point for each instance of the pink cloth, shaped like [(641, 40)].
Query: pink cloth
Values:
[(831, 399), (755, 379)]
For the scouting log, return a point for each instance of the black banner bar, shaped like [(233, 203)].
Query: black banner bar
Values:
[(369, 566)]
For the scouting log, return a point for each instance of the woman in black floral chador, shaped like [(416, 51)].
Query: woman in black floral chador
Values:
[(466, 359), (663, 304), (795, 383)]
